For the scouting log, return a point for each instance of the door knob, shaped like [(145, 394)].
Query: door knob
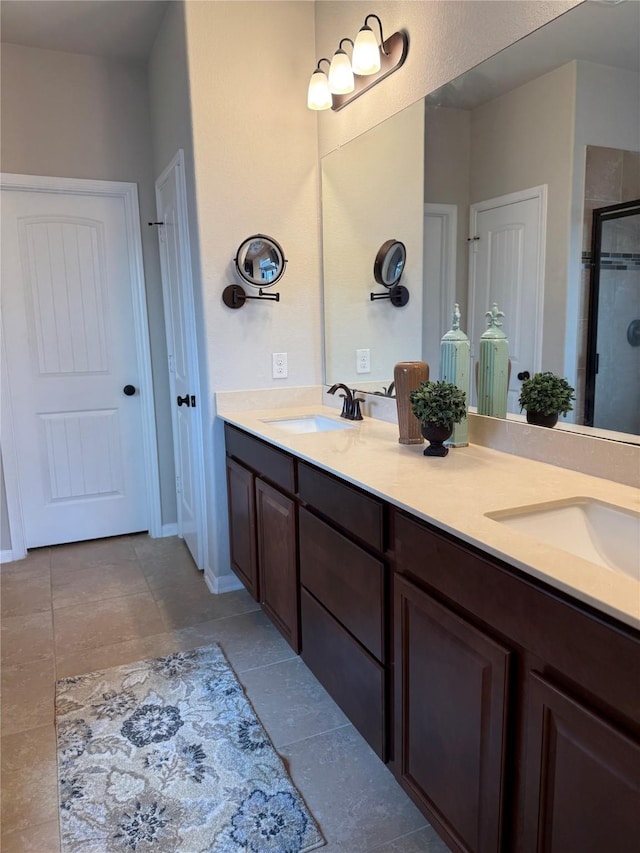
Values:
[(524, 375), (184, 401), (129, 390)]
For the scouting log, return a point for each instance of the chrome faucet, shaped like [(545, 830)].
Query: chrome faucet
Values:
[(351, 406)]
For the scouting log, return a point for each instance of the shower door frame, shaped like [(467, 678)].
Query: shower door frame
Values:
[(600, 216)]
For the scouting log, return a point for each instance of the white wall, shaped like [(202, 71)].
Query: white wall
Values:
[(256, 172), (72, 115)]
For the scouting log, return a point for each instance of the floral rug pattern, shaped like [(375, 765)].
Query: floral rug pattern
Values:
[(167, 756)]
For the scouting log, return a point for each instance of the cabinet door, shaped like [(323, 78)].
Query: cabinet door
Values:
[(451, 686), (583, 778), (242, 525), (277, 558)]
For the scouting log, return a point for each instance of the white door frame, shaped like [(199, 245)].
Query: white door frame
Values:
[(177, 164), (447, 214), (539, 193), (128, 192)]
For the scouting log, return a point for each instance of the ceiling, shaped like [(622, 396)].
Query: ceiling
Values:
[(120, 29)]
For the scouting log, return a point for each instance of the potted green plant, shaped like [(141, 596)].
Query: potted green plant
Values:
[(545, 396), (438, 406)]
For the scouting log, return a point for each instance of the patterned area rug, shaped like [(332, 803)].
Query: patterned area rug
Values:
[(167, 756)]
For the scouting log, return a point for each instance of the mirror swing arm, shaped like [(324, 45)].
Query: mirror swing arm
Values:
[(260, 262), (234, 296)]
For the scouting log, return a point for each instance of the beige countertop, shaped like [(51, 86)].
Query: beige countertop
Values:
[(454, 493)]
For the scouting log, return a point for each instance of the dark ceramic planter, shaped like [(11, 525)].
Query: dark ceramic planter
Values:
[(436, 435), (538, 419)]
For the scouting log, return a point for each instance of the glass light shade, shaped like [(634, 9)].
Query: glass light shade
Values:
[(366, 53), (341, 80), (319, 96)]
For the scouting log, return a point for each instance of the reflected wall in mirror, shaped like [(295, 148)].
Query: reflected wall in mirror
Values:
[(534, 116), (372, 188)]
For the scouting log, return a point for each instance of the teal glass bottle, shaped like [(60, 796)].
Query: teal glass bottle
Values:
[(455, 355), (493, 367)]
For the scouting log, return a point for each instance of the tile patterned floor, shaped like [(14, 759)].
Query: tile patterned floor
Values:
[(76, 608)]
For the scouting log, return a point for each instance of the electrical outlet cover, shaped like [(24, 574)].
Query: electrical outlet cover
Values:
[(363, 361), (279, 367)]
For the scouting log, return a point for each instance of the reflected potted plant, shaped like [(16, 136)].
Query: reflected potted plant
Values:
[(545, 396), (438, 406)]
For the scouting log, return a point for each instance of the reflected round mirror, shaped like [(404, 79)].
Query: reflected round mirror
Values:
[(389, 263), (260, 261)]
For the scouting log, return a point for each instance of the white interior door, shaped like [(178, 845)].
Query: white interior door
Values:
[(184, 377), (507, 267), (71, 348)]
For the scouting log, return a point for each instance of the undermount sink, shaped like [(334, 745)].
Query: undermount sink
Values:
[(308, 423), (600, 532)]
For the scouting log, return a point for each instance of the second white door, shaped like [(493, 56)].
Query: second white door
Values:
[(184, 380), (507, 267)]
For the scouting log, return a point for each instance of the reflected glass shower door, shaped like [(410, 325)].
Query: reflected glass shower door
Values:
[(613, 350)]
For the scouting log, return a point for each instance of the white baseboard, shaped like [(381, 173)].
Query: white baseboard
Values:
[(227, 583), (7, 556), (169, 530)]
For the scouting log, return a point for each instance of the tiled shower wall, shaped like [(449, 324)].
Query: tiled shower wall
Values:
[(611, 176)]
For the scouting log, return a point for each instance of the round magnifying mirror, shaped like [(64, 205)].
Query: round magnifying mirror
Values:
[(260, 261), (389, 263)]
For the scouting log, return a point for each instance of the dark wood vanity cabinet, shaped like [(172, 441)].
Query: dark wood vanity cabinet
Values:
[(512, 709), (263, 527), (517, 710)]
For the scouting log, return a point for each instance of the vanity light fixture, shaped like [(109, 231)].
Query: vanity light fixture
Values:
[(370, 63), (319, 95)]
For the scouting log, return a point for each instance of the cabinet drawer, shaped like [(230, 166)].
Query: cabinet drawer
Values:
[(347, 580), (360, 514), (352, 677), (270, 463)]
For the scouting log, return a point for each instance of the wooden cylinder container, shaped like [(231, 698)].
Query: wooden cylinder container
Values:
[(407, 375)]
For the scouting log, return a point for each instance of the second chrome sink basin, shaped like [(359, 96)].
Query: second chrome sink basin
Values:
[(308, 423), (600, 532)]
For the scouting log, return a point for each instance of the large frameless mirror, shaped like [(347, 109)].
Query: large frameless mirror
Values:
[(551, 122)]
